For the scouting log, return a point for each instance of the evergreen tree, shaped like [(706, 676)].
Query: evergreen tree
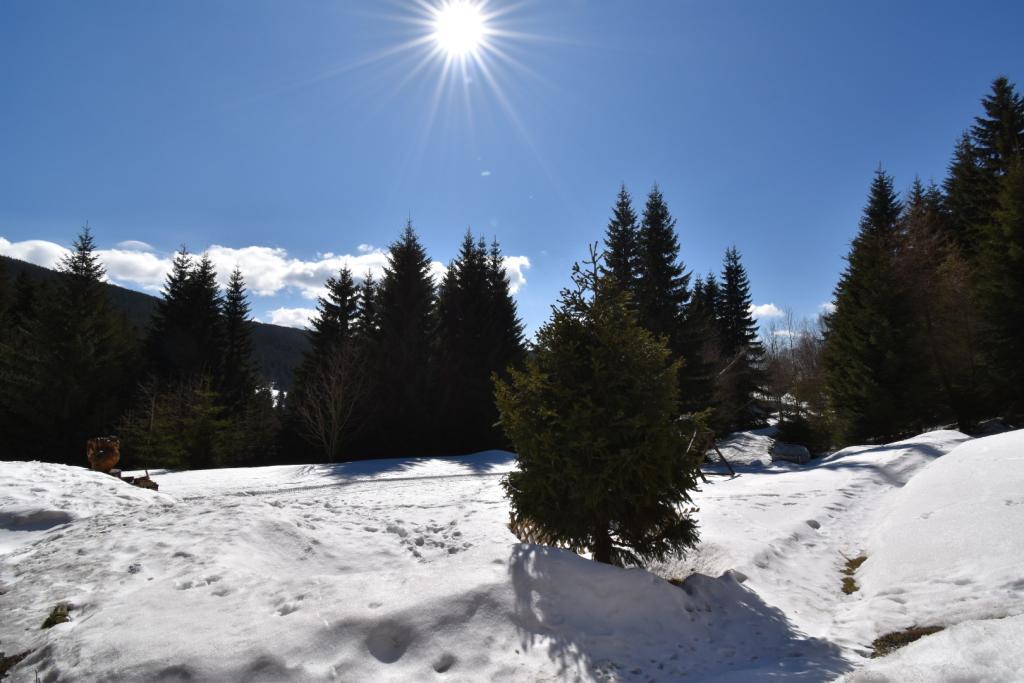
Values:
[(478, 334), (970, 197), (6, 295), (367, 318), (329, 384), (999, 135), (622, 248), (663, 284), (186, 336), (945, 321), (206, 319), (507, 345), (238, 382), (741, 351), (604, 463), (1000, 286), (70, 366), (867, 356), (335, 322), (402, 360)]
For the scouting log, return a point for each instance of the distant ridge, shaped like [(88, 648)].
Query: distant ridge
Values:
[(277, 350)]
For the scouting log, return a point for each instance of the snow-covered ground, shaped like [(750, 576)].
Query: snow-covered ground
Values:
[(405, 570)]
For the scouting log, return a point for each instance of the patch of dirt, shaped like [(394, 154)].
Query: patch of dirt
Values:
[(852, 565), (891, 642), (8, 663)]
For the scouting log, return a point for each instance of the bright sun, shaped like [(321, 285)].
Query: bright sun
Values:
[(459, 28)]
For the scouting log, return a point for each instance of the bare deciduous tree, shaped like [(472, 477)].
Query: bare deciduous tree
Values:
[(331, 395)]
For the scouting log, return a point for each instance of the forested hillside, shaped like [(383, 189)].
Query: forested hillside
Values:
[(276, 350)]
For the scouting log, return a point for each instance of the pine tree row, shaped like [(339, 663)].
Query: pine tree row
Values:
[(929, 313), (404, 365), (710, 327)]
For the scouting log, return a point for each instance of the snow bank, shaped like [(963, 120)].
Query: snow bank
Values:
[(791, 528), (971, 651), (405, 570), (36, 497), (949, 546)]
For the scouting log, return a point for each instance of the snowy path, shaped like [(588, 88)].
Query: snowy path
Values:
[(405, 570)]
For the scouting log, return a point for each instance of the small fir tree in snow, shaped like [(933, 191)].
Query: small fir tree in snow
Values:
[(604, 463)]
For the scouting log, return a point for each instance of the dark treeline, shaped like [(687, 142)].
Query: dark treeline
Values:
[(398, 366), (706, 322), (928, 323), (404, 365)]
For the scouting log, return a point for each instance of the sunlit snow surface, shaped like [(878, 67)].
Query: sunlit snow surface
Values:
[(405, 570)]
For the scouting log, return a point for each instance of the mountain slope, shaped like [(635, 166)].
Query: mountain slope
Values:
[(277, 350)]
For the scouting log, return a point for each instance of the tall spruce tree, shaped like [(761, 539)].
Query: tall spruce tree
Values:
[(621, 242), (238, 379), (971, 192), (662, 296), (401, 363), (663, 283), (507, 345), (742, 353), (999, 135), (479, 334), (868, 357), (604, 462), (1000, 287), (463, 334), (186, 336)]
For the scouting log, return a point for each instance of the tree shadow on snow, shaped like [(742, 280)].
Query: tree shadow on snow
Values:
[(596, 620), (485, 462)]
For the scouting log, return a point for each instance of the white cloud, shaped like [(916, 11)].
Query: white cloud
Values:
[(141, 268), (761, 311), (39, 252), (134, 245), (268, 270), (292, 317), (828, 308), (485, 173), (515, 267)]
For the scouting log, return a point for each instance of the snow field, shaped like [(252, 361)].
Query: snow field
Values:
[(405, 570)]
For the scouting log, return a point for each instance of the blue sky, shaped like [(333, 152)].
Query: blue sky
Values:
[(283, 131)]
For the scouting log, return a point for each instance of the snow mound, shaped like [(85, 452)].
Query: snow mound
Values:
[(752, 448), (949, 546), (36, 497), (987, 650)]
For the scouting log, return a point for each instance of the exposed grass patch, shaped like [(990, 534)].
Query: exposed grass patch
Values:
[(8, 663), (891, 642), (59, 615), (852, 565)]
